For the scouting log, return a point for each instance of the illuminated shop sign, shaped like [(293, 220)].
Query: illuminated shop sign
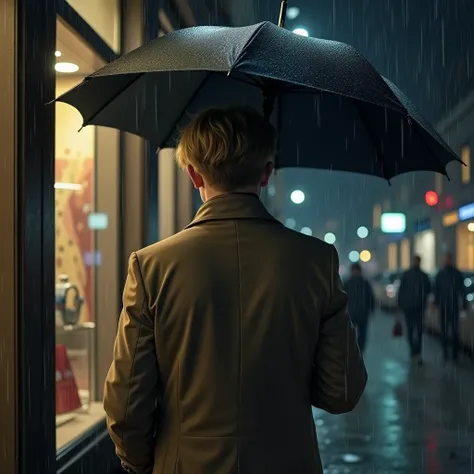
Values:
[(466, 212), (450, 218), (393, 223)]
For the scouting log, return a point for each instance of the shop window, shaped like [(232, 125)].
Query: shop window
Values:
[(86, 208), (103, 16), (466, 170), (425, 247), (465, 246), (405, 254), (392, 257), (377, 216)]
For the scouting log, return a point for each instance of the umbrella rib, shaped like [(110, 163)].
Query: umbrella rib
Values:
[(120, 91)]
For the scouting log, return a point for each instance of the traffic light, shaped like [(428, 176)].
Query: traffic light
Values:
[(431, 198)]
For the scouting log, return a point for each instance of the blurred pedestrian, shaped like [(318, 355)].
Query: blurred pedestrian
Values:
[(415, 287), (232, 328), (450, 298), (361, 302)]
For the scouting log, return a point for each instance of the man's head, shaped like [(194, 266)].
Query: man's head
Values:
[(228, 150), (417, 261), (448, 259), (356, 269)]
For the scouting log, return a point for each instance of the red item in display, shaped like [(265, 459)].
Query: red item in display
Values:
[(67, 394)]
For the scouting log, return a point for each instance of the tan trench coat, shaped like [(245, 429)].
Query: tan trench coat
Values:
[(230, 331)]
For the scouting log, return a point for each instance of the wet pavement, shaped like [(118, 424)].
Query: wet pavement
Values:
[(411, 419)]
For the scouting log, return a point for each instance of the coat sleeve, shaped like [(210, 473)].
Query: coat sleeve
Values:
[(338, 376), (131, 387)]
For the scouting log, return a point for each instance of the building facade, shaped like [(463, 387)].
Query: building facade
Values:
[(443, 220), (74, 206)]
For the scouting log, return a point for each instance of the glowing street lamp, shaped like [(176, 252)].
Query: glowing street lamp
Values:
[(365, 256), (330, 238), (297, 196), (301, 32), (292, 13), (354, 256), (362, 232)]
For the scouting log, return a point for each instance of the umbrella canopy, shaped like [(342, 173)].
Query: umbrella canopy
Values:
[(331, 107)]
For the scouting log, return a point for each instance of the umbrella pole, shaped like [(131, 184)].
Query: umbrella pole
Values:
[(282, 17)]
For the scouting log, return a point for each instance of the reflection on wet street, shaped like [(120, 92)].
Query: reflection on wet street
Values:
[(411, 419)]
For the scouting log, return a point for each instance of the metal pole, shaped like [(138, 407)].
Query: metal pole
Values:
[(282, 17)]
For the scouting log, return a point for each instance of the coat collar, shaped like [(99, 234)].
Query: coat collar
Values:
[(232, 206)]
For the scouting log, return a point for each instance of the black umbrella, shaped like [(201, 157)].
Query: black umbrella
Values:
[(331, 107)]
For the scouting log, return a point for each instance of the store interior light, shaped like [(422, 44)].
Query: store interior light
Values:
[(67, 68), (301, 32), (58, 54), (68, 186)]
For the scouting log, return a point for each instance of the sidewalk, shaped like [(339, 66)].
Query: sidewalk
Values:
[(411, 419)]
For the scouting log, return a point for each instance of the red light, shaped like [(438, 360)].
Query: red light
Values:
[(431, 198)]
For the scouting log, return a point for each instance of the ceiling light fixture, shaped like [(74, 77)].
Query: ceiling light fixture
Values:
[(58, 54), (66, 68)]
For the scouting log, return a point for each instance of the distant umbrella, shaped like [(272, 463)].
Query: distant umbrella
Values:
[(331, 107)]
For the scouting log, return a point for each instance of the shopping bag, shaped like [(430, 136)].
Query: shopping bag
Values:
[(397, 330)]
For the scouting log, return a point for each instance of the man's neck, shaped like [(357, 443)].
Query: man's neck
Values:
[(210, 193)]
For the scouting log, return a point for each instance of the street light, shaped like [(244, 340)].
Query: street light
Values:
[(354, 256), (362, 232), (301, 32), (292, 13), (330, 238), (365, 256), (297, 196), (306, 231)]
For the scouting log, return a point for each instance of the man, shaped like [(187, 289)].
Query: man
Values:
[(413, 295), (450, 298), (232, 328), (361, 302)]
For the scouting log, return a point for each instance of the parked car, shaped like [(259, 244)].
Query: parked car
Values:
[(385, 287)]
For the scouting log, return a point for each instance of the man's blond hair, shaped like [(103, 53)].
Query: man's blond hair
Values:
[(228, 147)]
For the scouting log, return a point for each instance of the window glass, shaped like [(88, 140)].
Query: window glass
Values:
[(86, 199), (466, 158), (103, 16)]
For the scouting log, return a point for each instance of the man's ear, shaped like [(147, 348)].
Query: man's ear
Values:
[(267, 172), (196, 178)]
